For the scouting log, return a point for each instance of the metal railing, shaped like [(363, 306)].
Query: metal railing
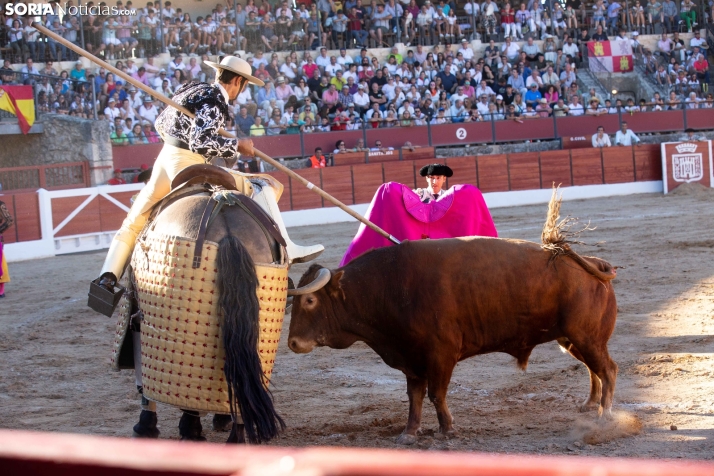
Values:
[(49, 177)]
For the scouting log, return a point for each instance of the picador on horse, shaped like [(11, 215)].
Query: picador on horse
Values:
[(207, 284)]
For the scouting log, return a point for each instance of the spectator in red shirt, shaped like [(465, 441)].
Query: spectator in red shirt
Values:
[(117, 179), (701, 66), (355, 27), (318, 161)]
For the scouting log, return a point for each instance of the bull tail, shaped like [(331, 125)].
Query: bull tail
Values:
[(557, 238), (237, 284)]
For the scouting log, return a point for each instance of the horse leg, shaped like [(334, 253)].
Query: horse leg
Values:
[(146, 428), (190, 426), (222, 422), (237, 435)]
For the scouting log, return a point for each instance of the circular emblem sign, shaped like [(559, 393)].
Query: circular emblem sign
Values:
[(461, 133)]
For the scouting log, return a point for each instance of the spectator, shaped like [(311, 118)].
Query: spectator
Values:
[(257, 129), (244, 121), (690, 135), (117, 178), (625, 137), (594, 108), (117, 136), (318, 160), (339, 148), (600, 139), (575, 108), (136, 136)]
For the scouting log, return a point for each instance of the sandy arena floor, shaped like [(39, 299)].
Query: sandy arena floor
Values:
[(55, 351)]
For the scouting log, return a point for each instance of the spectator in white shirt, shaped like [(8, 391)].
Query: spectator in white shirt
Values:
[(626, 137), (600, 139), (575, 108), (467, 51), (511, 49), (111, 112)]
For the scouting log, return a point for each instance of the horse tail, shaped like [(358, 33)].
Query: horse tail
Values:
[(557, 238), (237, 284)]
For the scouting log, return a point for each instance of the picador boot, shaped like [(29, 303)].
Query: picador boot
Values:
[(146, 428), (190, 427), (265, 197)]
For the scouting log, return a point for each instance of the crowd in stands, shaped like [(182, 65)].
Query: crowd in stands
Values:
[(313, 91)]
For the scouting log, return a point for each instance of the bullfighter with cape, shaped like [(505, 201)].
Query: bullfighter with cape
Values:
[(425, 213)]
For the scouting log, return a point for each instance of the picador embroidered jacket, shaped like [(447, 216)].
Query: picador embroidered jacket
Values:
[(201, 134)]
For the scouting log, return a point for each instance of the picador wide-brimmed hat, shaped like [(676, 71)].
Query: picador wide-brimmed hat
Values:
[(238, 66), (436, 169)]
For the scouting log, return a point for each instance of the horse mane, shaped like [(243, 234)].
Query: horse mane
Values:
[(237, 283)]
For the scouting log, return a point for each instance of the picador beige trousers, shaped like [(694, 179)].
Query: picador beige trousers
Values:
[(169, 163)]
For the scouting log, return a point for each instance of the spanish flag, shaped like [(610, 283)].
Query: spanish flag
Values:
[(20, 101)]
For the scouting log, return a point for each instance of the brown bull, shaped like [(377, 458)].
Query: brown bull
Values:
[(425, 305)]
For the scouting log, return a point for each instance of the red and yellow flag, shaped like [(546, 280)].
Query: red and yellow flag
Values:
[(20, 101)]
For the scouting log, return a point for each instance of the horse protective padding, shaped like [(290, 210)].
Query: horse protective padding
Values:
[(122, 358), (182, 351)]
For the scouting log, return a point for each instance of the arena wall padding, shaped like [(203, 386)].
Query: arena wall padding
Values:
[(524, 169), (25, 210), (366, 178), (648, 162), (464, 171), (492, 173), (573, 126), (134, 156), (111, 215), (338, 183), (656, 121), (555, 168), (700, 119), (281, 145), (397, 136), (302, 198), (282, 177), (528, 129), (85, 221), (402, 172), (618, 164), (587, 167)]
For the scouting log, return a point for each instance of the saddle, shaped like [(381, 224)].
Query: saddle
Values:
[(205, 178)]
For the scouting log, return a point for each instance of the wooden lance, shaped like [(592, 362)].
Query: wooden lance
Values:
[(222, 132)]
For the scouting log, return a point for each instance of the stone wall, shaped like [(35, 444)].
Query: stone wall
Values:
[(65, 139)]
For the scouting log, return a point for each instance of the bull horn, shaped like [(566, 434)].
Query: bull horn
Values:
[(322, 278)]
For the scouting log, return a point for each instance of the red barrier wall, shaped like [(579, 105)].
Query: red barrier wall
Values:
[(134, 156), (25, 209), (355, 184)]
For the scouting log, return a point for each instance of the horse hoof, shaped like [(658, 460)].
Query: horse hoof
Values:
[(190, 427), (146, 428), (237, 436), (406, 439), (222, 422)]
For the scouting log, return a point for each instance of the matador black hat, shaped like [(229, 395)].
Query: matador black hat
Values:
[(436, 169)]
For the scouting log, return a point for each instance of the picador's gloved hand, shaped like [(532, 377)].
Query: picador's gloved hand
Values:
[(245, 148), (108, 281)]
